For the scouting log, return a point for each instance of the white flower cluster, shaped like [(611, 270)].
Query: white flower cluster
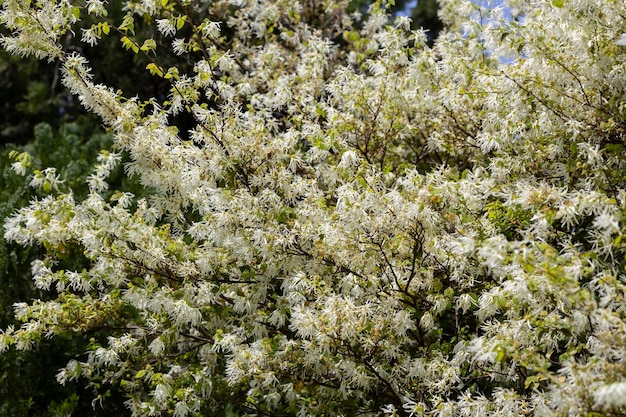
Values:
[(357, 222)]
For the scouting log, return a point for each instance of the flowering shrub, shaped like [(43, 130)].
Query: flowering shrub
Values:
[(26, 388), (354, 222)]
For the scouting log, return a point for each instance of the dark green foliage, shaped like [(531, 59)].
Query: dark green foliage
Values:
[(423, 13), (31, 91), (27, 379), (27, 96)]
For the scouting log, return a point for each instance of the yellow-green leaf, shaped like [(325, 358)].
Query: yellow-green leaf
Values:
[(128, 24), (180, 22), (148, 45), (129, 44), (172, 72), (154, 69)]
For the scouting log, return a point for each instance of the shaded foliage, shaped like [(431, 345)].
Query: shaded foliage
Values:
[(26, 377)]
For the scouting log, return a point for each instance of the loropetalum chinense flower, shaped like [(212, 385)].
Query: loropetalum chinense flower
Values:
[(353, 222)]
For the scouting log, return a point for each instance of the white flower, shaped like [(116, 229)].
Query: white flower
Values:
[(211, 30), (181, 409), (19, 168), (96, 7), (349, 159), (464, 302), (426, 321), (47, 180), (606, 221), (166, 27), (89, 36), (403, 22), (611, 396), (161, 394), (179, 46), (149, 6)]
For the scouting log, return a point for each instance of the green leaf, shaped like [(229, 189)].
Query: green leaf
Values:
[(129, 44), (148, 45), (154, 69), (128, 24), (172, 72), (180, 22), (530, 380), (500, 354)]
